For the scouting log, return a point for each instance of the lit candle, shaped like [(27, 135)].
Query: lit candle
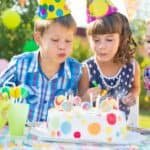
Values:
[(91, 100), (97, 101)]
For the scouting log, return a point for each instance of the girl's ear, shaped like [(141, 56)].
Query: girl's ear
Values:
[(37, 37)]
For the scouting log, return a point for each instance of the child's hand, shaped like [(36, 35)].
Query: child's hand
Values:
[(94, 92), (129, 99)]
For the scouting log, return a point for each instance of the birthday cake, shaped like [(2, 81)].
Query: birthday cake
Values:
[(70, 121)]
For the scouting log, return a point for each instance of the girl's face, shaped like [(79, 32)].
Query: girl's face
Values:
[(56, 43), (147, 40), (105, 46)]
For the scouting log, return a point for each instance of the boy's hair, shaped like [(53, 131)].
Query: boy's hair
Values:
[(66, 21), (116, 23)]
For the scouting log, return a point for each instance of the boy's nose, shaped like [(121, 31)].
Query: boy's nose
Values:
[(61, 45)]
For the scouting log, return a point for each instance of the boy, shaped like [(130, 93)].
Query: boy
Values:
[(49, 71)]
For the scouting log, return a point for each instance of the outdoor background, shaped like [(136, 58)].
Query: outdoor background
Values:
[(16, 31)]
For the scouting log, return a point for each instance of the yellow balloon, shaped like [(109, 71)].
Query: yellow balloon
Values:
[(11, 19)]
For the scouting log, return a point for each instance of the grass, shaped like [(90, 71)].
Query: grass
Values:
[(144, 119)]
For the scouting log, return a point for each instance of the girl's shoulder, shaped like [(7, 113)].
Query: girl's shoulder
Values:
[(89, 60)]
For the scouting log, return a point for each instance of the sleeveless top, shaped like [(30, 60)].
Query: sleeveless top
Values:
[(117, 86)]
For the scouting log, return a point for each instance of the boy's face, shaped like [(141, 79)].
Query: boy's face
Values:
[(105, 46), (56, 43), (147, 40)]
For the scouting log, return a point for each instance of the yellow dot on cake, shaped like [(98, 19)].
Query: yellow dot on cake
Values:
[(94, 128), (108, 130), (84, 121)]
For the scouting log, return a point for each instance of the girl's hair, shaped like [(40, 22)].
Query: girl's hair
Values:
[(66, 21), (148, 22), (116, 23)]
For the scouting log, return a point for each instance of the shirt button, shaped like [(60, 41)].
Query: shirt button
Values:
[(45, 101), (42, 119)]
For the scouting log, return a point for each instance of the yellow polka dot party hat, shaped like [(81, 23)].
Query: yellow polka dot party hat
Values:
[(99, 8), (52, 9)]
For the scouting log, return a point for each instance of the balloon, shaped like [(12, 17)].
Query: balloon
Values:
[(11, 19), (30, 46)]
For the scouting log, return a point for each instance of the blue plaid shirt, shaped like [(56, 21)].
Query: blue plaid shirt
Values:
[(25, 70)]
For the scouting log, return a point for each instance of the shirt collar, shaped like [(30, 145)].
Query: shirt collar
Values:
[(65, 69), (35, 62)]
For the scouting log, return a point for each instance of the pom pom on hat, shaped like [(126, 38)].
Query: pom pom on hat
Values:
[(99, 8)]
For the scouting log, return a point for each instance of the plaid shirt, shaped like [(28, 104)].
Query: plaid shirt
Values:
[(25, 70)]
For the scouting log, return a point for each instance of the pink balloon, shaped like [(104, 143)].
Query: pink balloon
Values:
[(3, 64)]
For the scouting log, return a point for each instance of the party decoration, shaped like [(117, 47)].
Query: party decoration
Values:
[(52, 9), (22, 2), (67, 106), (29, 46), (77, 100), (99, 8), (11, 19), (58, 100), (85, 105), (9, 96), (108, 104)]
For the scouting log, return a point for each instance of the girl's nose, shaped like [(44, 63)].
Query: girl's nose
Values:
[(102, 44)]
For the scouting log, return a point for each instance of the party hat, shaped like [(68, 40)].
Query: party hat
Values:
[(51, 9), (99, 8)]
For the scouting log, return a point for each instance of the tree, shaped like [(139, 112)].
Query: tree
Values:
[(12, 41)]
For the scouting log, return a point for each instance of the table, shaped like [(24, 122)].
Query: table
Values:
[(30, 142)]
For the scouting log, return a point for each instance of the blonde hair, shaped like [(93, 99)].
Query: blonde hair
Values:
[(66, 21)]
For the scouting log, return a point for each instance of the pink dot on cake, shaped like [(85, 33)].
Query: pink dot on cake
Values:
[(111, 118), (77, 134)]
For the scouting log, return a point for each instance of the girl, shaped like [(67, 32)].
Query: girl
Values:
[(112, 67)]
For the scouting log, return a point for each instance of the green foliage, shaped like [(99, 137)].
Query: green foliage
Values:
[(12, 41), (138, 29), (81, 49)]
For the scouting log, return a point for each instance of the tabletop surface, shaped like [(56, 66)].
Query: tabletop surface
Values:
[(32, 141)]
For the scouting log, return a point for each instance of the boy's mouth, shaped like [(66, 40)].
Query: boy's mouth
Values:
[(61, 55)]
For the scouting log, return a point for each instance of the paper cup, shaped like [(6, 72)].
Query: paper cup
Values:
[(17, 117)]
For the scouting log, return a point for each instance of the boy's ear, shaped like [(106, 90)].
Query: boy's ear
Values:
[(37, 37)]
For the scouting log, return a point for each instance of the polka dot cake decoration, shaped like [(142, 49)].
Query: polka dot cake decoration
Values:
[(83, 121)]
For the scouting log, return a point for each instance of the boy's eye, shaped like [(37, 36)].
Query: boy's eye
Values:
[(55, 40)]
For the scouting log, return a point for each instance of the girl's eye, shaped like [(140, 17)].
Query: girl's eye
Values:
[(147, 41), (68, 41), (109, 40), (95, 40)]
